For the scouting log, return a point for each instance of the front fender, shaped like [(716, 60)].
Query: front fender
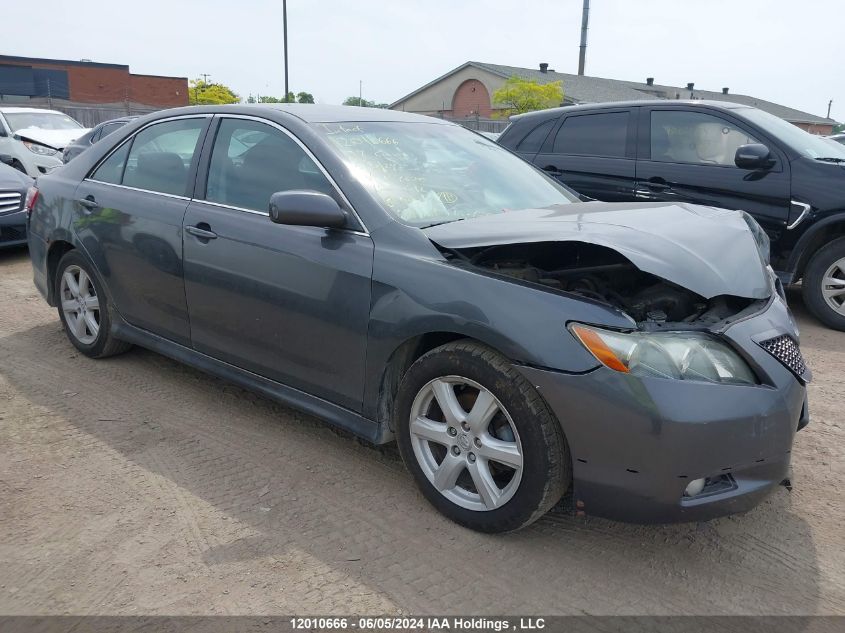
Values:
[(810, 239), (413, 296)]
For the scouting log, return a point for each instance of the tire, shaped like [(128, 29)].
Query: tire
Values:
[(820, 295), (510, 420), (92, 335)]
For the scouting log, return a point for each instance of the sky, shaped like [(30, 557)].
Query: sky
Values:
[(786, 51)]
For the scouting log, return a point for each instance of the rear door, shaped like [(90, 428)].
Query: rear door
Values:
[(593, 153), (131, 208), (688, 156), (290, 303)]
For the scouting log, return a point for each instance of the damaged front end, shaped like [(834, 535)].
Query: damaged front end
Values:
[(598, 273)]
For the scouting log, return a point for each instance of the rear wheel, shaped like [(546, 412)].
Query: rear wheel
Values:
[(84, 308), (481, 443), (823, 286)]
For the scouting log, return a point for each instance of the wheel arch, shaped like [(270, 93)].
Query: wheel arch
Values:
[(57, 250), (401, 359), (817, 237)]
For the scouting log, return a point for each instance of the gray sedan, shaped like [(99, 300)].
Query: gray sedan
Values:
[(407, 279)]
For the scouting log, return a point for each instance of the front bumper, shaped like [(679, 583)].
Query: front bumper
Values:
[(636, 443), (12, 229)]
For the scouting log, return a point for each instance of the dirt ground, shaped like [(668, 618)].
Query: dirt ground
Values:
[(138, 486)]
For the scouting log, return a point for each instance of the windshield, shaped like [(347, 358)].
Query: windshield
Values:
[(803, 142), (426, 173), (41, 120)]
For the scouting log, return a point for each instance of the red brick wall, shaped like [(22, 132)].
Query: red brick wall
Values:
[(160, 91), (814, 128), (97, 84), (471, 98)]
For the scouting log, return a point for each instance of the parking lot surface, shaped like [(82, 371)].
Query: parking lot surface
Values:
[(136, 485)]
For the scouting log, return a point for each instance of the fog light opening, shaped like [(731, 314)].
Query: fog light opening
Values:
[(694, 487)]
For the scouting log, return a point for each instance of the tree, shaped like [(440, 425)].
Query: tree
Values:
[(202, 93), (358, 101), (302, 97), (526, 95)]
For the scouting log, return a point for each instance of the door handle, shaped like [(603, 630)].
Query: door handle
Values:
[(200, 232), (657, 185), (551, 170), (88, 203)]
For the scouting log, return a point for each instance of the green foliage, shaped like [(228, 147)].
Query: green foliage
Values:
[(839, 128), (357, 101), (302, 97), (526, 95), (202, 93)]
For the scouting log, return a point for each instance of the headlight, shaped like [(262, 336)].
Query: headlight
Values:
[(760, 237), (41, 150), (678, 355)]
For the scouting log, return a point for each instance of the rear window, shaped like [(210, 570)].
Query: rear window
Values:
[(603, 134), (534, 140)]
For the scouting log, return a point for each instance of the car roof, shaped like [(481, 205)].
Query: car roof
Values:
[(311, 112), (8, 110), (723, 105)]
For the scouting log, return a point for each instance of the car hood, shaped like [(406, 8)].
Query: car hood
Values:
[(56, 139), (707, 250)]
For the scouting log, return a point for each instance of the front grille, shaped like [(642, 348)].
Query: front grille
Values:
[(786, 351), (10, 201)]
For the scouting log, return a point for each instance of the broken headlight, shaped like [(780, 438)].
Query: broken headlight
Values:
[(679, 355)]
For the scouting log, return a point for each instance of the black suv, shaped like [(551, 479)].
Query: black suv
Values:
[(712, 153)]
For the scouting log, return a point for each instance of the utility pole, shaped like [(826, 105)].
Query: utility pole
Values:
[(829, 103), (585, 21), (360, 92), (285, 29), (205, 77)]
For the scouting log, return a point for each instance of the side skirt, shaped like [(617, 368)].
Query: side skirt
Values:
[(338, 416)]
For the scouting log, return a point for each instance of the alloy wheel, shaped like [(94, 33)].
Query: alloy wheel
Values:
[(466, 443), (80, 304), (833, 286)]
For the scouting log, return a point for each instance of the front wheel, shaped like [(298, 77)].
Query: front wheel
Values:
[(823, 286), (84, 308), (479, 440)]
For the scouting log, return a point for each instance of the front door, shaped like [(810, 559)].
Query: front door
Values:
[(289, 303), (689, 156), (131, 223)]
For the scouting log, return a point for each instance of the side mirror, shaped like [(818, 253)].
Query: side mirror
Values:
[(306, 208), (753, 156), (5, 158)]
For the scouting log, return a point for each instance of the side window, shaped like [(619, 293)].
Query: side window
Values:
[(111, 169), (603, 134), (694, 137), (534, 140), (161, 156), (250, 161)]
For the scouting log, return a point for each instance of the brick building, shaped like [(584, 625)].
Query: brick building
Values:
[(86, 89), (466, 93)]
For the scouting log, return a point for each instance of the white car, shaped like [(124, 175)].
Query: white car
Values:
[(34, 138)]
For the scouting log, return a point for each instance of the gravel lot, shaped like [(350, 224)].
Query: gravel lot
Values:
[(138, 486)]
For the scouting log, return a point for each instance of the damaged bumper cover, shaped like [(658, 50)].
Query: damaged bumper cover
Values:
[(637, 442)]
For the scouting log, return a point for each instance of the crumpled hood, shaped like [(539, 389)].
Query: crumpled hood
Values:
[(707, 250), (57, 139)]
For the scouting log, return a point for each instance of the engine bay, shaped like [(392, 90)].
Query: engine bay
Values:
[(604, 275)]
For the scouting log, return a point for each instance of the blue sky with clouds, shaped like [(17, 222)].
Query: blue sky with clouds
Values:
[(785, 51)]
